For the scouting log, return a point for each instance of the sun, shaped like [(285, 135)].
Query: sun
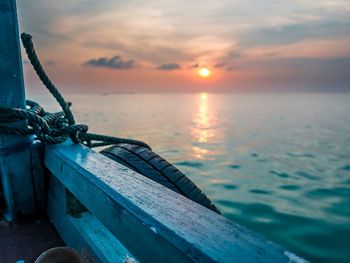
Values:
[(204, 72)]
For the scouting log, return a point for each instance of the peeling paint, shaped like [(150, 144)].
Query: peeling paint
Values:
[(129, 260), (294, 258), (154, 229)]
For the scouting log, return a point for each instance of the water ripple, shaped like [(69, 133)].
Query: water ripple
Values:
[(234, 166), (307, 175), (259, 191), (346, 168), (190, 164), (290, 187), (279, 174)]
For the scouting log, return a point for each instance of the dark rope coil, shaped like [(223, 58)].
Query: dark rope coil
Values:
[(56, 127)]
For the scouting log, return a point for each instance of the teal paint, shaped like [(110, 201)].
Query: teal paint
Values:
[(154, 223), (15, 165), (38, 179), (85, 233)]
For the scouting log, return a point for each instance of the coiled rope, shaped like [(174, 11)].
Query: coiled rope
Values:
[(56, 127)]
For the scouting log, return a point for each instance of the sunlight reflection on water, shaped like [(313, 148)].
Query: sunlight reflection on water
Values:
[(204, 120), (203, 129)]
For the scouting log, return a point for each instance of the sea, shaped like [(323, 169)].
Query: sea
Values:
[(278, 164)]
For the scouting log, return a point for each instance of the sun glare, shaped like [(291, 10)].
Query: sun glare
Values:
[(204, 72)]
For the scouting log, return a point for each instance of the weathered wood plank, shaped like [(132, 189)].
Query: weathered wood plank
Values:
[(15, 166), (107, 248), (153, 222), (38, 178), (84, 232), (87, 235)]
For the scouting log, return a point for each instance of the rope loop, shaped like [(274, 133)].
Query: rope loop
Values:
[(55, 127)]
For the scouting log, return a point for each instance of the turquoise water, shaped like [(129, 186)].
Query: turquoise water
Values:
[(277, 164)]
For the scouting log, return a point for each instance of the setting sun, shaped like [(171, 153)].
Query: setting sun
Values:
[(204, 72)]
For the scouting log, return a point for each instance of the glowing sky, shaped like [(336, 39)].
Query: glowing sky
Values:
[(144, 45)]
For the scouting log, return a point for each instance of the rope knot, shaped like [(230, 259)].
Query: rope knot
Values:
[(52, 128)]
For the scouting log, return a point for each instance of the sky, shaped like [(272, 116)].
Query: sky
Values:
[(90, 46)]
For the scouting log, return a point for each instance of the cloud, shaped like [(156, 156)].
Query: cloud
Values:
[(169, 66), (50, 63), (115, 62), (338, 64), (252, 40), (231, 68), (288, 34), (331, 74), (234, 55), (219, 65)]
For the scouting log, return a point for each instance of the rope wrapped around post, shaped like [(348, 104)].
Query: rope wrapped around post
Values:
[(56, 127)]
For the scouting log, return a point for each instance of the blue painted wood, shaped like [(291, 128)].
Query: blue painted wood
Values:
[(15, 165), (153, 222), (38, 175), (84, 233)]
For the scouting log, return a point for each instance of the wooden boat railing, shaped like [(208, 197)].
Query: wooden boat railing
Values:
[(106, 211)]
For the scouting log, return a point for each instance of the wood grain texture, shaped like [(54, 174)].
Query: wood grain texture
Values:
[(15, 168), (153, 222), (84, 233)]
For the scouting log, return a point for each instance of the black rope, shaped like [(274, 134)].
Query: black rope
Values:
[(29, 47), (56, 127)]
